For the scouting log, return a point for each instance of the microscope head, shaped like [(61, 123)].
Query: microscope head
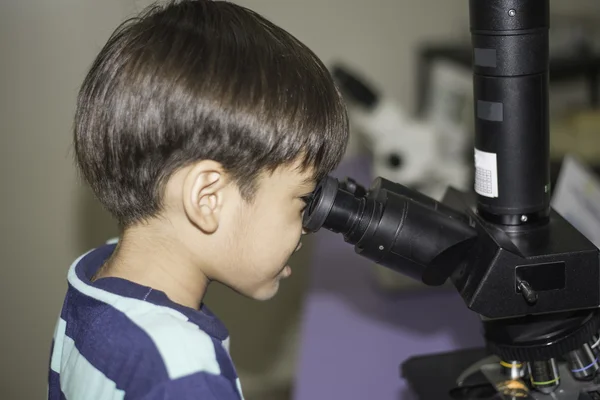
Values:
[(501, 271)]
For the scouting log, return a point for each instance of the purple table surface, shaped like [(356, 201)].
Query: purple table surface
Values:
[(355, 336)]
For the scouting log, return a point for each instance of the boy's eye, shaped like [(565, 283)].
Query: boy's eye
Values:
[(306, 199)]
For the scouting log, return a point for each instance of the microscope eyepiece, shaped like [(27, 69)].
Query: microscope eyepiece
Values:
[(393, 225), (333, 207), (320, 204)]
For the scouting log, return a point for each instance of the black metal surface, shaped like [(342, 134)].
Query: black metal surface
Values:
[(487, 281), (506, 15)]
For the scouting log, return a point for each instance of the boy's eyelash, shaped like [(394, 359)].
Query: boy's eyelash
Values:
[(306, 199)]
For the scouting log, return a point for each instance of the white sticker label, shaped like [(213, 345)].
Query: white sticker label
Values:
[(486, 174)]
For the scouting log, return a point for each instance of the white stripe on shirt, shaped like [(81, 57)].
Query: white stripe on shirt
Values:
[(79, 379)]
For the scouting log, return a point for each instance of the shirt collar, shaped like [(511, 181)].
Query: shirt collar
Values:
[(90, 263)]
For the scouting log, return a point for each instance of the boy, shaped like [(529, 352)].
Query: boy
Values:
[(201, 127)]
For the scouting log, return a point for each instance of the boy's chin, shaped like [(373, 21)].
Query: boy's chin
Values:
[(267, 292)]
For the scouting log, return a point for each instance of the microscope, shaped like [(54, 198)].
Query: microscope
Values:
[(532, 277)]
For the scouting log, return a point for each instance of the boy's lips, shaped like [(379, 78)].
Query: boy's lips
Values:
[(287, 271)]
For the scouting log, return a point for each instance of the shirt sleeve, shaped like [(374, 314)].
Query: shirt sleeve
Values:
[(199, 386)]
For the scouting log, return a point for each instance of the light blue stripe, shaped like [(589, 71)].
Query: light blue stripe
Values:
[(80, 380)]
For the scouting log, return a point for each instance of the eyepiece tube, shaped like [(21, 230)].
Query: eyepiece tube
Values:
[(510, 86), (393, 226)]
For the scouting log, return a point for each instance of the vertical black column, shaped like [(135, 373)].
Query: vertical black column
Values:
[(510, 78)]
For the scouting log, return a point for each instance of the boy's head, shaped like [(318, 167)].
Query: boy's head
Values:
[(206, 115)]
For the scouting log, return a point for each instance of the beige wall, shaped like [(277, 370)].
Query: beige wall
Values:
[(48, 219), (44, 50)]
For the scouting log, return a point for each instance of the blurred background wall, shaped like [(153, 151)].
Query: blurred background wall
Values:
[(48, 217)]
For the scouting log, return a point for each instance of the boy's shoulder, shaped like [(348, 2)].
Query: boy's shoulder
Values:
[(136, 340)]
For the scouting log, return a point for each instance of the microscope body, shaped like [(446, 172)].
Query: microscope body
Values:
[(532, 277)]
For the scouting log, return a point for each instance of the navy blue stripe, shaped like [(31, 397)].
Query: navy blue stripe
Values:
[(114, 345), (63, 311), (51, 352), (198, 386), (225, 363), (54, 392)]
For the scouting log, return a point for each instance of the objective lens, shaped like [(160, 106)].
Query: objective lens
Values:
[(513, 369), (583, 363), (544, 375)]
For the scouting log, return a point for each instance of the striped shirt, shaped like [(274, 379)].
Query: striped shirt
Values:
[(116, 339)]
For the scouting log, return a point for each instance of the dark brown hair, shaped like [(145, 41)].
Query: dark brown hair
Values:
[(201, 79)]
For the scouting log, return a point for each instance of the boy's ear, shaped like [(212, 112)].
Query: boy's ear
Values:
[(203, 193)]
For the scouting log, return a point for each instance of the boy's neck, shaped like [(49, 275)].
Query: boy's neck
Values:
[(148, 257)]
